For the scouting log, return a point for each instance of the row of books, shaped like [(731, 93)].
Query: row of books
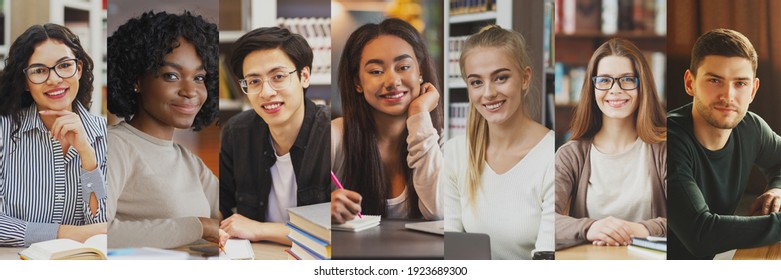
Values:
[(455, 45), (229, 87), (611, 16), (548, 44), (459, 7), (569, 79), (457, 118), (317, 32)]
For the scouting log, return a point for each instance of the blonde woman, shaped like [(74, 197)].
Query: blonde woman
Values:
[(498, 179)]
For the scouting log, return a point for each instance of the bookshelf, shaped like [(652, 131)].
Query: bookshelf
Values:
[(308, 18), (5, 28), (581, 26), (527, 17)]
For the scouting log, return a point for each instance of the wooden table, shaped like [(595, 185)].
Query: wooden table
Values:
[(770, 252), (592, 252), (10, 253)]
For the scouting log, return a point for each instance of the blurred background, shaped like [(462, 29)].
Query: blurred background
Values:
[(583, 25), (348, 15), (86, 18), (309, 18), (204, 143), (534, 20)]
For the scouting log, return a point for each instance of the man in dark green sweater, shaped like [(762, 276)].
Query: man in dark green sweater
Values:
[(713, 143)]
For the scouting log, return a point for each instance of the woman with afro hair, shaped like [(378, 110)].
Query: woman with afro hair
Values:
[(163, 75)]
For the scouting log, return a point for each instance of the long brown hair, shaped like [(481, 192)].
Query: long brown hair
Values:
[(363, 169), (650, 121)]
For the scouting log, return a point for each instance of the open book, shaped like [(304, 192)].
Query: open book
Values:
[(65, 249), (358, 224)]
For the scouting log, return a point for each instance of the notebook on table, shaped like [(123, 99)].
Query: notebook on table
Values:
[(237, 249), (358, 224)]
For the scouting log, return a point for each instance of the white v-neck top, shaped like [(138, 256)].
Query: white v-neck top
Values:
[(515, 208)]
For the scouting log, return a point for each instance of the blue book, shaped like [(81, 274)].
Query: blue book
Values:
[(314, 244)]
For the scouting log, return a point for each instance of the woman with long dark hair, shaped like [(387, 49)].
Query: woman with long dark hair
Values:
[(385, 149)]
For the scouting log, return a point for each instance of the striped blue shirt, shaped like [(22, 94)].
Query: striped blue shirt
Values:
[(42, 188)]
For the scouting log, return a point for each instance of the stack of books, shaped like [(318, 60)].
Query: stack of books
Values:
[(651, 247), (310, 231)]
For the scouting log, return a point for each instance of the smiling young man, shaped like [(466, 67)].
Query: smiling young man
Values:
[(275, 156), (713, 143)]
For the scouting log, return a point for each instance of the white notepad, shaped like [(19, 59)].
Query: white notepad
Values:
[(238, 249), (358, 224)]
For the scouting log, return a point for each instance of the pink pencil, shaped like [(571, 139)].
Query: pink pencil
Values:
[(339, 185)]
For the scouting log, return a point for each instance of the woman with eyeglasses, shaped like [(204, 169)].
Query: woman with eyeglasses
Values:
[(163, 76), (53, 151), (612, 174)]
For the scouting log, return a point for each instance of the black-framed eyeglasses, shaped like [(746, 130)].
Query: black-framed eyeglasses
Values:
[(277, 81), (606, 82), (39, 73)]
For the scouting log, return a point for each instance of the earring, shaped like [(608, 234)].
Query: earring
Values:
[(135, 89), (420, 80)]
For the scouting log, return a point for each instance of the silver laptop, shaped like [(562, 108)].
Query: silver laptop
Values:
[(435, 227), (467, 246)]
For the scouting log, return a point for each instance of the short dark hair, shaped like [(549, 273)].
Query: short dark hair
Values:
[(722, 42), (13, 81), (139, 46), (266, 38)]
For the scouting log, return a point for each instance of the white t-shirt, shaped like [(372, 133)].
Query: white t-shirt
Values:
[(620, 185), (397, 206), (283, 189)]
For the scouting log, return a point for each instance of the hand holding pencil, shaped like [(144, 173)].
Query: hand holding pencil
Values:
[(345, 204)]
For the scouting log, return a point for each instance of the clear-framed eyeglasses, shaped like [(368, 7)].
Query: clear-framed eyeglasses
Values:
[(39, 73), (606, 82), (277, 81)]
